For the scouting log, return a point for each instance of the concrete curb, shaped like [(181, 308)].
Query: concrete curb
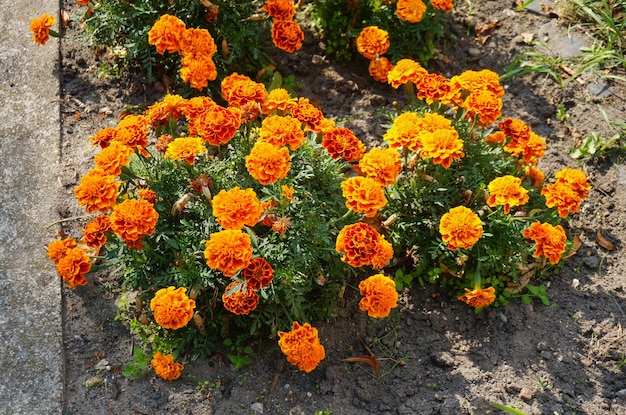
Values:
[(31, 338)]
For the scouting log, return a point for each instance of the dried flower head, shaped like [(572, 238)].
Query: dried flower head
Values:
[(235, 208), (172, 308), (239, 299), (165, 367), (268, 163), (478, 297), (228, 251), (507, 191), (372, 42), (363, 195), (550, 240), (460, 228), (302, 346), (379, 295)]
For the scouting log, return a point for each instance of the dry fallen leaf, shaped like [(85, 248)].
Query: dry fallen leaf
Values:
[(577, 243), (528, 38), (603, 242), (65, 19), (485, 30), (368, 360)]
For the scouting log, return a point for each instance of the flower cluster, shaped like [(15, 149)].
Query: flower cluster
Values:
[(302, 346), (286, 33)]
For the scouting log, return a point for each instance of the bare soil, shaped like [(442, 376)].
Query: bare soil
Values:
[(436, 355)]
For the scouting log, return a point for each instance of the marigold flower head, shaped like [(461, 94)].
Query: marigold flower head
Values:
[(132, 219), (95, 231), (259, 273), (383, 254), (103, 137), (507, 191), (278, 100), (382, 165), (97, 191), (484, 105), (198, 183), (281, 131), (550, 240), (40, 27), (379, 295), (372, 42), (196, 106), (405, 132), (302, 346), (287, 35), (238, 299), (522, 141), (445, 5), (165, 367), (228, 251), (308, 114), (170, 106), (280, 9), (132, 131), (198, 71), (567, 192), (73, 266), (197, 43), (535, 175), (460, 228), (148, 195), (363, 195), (359, 243), (435, 87), (235, 208), (471, 81), (217, 125), (534, 150), (166, 34), (172, 308), (341, 142), (379, 68), (411, 11), (576, 179), (112, 158), (59, 248), (442, 146), (478, 297), (185, 148), (406, 70), (242, 91), (268, 163)]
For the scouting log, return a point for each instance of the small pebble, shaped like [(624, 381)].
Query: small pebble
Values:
[(257, 407), (474, 52)]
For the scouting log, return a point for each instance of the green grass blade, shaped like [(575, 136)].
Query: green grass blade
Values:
[(508, 409)]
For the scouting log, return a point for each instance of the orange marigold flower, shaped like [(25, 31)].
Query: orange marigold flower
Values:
[(287, 35), (148, 195), (516, 130), (217, 125), (406, 70), (83, 2), (308, 114), (73, 266), (471, 81), (162, 142), (170, 106), (197, 43), (103, 137), (165, 367), (363, 195), (132, 131), (535, 175), (278, 99), (405, 132), (522, 141), (198, 71), (281, 131), (172, 307), (132, 219), (460, 228), (569, 189), (268, 163), (280, 9), (185, 148), (238, 299), (59, 248), (302, 346), (40, 27), (360, 244), (435, 87), (576, 179), (507, 191), (382, 165), (442, 146), (259, 273), (550, 240), (112, 158), (379, 295), (166, 34), (535, 149), (95, 231), (341, 142), (478, 297), (228, 251), (372, 42), (196, 106), (411, 11), (379, 68), (384, 254), (445, 5), (485, 105), (229, 83), (244, 91), (235, 208), (97, 191)]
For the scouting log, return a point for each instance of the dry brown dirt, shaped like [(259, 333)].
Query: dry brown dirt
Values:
[(439, 356)]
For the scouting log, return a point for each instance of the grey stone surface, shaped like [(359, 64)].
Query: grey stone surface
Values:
[(31, 361)]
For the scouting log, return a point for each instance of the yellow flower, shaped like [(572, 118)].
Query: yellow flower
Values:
[(379, 295), (172, 308), (302, 346), (460, 228), (478, 297), (287, 192), (165, 367), (405, 132), (507, 191)]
